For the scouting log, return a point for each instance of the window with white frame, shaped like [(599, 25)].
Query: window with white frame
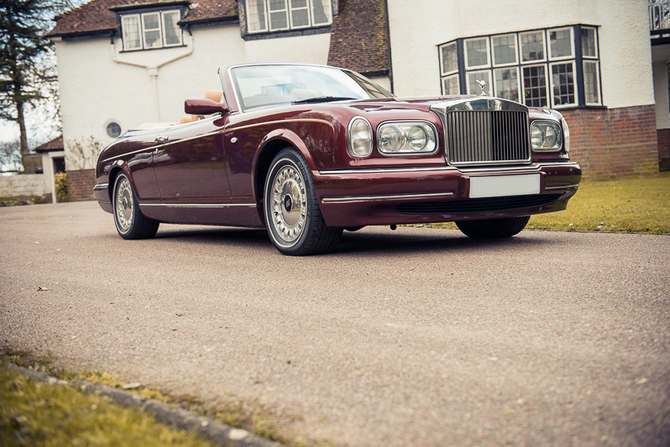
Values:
[(150, 30), (283, 15), (540, 68)]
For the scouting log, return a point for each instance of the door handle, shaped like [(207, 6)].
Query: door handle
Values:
[(160, 139)]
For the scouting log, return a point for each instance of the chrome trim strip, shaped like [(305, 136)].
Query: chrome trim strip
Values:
[(551, 188), (559, 164), (384, 170), (399, 196), (100, 186), (512, 169), (152, 148), (198, 205)]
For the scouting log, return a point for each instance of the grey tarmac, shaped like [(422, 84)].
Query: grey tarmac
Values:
[(413, 337)]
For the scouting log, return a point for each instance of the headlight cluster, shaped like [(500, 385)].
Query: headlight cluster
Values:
[(546, 136), (393, 138)]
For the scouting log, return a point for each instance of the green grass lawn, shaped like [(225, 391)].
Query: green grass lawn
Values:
[(38, 414), (619, 206)]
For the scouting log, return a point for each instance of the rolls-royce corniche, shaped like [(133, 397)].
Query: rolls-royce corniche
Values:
[(308, 151)]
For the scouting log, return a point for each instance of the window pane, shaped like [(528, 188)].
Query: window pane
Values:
[(535, 86), (560, 43), (256, 16), (591, 82), (299, 13), (504, 49), (450, 86), (477, 53), (131, 32), (532, 46), (562, 83), (507, 83), (449, 58), (321, 12), (473, 87), (588, 42), (171, 29), (278, 15), (152, 30)]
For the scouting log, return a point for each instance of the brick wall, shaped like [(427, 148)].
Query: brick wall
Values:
[(80, 184), (664, 149), (614, 143)]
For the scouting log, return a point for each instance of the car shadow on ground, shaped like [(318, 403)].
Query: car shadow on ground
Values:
[(433, 240), (374, 241)]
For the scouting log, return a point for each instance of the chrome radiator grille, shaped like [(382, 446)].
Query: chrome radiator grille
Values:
[(487, 137)]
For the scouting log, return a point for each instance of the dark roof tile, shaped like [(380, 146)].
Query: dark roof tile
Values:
[(54, 145), (96, 17)]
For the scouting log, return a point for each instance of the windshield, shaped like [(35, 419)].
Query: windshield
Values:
[(262, 85)]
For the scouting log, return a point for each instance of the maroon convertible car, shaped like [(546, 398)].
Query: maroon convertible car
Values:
[(309, 151)]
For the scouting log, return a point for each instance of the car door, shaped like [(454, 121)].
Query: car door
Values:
[(190, 164)]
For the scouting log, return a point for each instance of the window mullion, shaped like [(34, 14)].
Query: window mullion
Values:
[(579, 66)]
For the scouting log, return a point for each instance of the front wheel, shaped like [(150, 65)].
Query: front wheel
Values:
[(493, 228), (292, 215), (129, 220)]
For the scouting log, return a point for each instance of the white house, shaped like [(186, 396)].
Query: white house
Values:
[(126, 62)]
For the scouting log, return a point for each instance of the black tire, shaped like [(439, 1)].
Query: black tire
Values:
[(292, 215), (493, 228), (129, 220)]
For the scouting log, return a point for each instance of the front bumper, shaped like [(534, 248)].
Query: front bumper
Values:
[(350, 198)]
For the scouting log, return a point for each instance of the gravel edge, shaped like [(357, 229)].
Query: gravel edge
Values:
[(217, 433)]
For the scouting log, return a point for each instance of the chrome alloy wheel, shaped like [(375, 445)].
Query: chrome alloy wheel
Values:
[(124, 205), (289, 203)]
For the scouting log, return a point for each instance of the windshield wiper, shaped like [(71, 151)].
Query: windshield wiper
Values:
[(322, 99)]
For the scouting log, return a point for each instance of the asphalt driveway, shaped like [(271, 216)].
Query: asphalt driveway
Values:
[(414, 337)]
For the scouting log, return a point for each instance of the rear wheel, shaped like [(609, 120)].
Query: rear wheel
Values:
[(493, 228), (129, 220), (292, 215)]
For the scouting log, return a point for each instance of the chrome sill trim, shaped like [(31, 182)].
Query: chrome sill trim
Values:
[(100, 186), (388, 197), (551, 188), (197, 205), (384, 170)]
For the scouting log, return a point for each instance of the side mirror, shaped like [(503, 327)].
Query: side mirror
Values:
[(204, 107)]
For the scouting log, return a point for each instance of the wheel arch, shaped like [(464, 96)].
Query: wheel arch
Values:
[(118, 168), (271, 145)]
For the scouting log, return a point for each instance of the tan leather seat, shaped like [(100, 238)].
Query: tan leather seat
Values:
[(189, 119), (214, 95)]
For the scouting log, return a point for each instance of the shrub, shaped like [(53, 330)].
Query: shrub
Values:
[(62, 193)]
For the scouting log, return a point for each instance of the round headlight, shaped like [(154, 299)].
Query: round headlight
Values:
[(536, 136), (360, 138), (417, 138), (550, 137), (390, 139)]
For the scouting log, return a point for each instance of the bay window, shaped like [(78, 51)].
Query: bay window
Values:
[(554, 67)]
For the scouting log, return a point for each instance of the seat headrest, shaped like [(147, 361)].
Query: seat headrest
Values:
[(214, 95)]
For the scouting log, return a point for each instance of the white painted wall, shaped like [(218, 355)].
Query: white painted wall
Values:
[(419, 26), (24, 185), (99, 83)]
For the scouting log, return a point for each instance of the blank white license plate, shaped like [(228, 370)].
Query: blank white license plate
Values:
[(504, 185)]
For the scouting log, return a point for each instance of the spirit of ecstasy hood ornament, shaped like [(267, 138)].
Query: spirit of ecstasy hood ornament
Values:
[(482, 85)]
